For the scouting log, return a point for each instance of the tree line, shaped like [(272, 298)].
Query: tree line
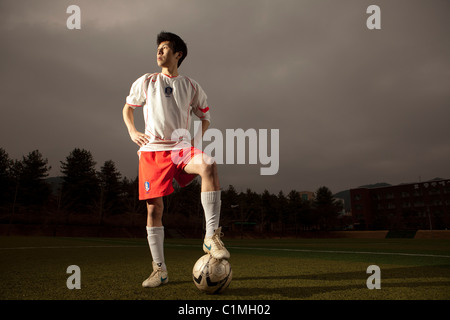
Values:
[(101, 195)]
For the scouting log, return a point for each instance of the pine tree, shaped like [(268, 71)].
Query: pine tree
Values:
[(110, 201), (33, 189), (6, 181), (326, 208), (80, 188)]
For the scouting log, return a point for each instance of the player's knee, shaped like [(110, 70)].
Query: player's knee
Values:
[(155, 207), (154, 216), (209, 169)]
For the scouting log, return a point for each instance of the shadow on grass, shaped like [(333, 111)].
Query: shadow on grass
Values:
[(308, 292), (276, 285)]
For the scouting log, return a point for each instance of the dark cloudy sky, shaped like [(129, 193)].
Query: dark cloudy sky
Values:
[(353, 106)]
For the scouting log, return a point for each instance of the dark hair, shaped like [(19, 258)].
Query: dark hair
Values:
[(176, 43)]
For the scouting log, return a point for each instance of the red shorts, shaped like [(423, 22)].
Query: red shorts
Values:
[(157, 169)]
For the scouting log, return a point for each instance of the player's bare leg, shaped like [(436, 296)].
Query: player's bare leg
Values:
[(155, 209), (155, 237), (204, 166)]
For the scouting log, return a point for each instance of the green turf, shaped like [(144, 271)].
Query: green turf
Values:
[(318, 269)]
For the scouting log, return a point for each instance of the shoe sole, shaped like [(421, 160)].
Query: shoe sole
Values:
[(162, 282), (205, 250)]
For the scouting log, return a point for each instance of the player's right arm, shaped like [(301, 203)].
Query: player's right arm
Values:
[(128, 117)]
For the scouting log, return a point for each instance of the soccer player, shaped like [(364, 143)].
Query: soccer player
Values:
[(166, 152)]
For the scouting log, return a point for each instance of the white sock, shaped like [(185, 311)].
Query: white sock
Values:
[(211, 205), (155, 238)]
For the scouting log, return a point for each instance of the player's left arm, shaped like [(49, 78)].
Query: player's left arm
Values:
[(205, 126), (201, 110)]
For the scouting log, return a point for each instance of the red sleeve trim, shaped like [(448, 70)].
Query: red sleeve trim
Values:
[(193, 87)]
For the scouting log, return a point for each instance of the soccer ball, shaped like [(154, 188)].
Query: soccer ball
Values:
[(211, 275)]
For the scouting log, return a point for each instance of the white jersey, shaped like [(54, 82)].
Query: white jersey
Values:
[(168, 103)]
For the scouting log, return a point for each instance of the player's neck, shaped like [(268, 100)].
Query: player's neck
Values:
[(170, 71)]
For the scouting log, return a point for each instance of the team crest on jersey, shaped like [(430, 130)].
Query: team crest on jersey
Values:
[(147, 185), (168, 91)]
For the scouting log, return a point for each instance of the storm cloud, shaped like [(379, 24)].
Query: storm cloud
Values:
[(353, 106)]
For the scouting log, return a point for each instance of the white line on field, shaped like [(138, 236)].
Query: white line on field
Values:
[(331, 251), (244, 248), (349, 252), (69, 247)]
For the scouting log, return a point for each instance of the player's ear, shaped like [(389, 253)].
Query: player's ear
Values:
[(179, 54)]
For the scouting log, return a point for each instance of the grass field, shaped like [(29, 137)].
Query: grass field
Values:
[(318, 269)]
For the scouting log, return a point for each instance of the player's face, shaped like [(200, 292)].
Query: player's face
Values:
[(165, 56)]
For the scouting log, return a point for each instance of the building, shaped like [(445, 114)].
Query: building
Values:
[(422, 205), (307, 195)]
